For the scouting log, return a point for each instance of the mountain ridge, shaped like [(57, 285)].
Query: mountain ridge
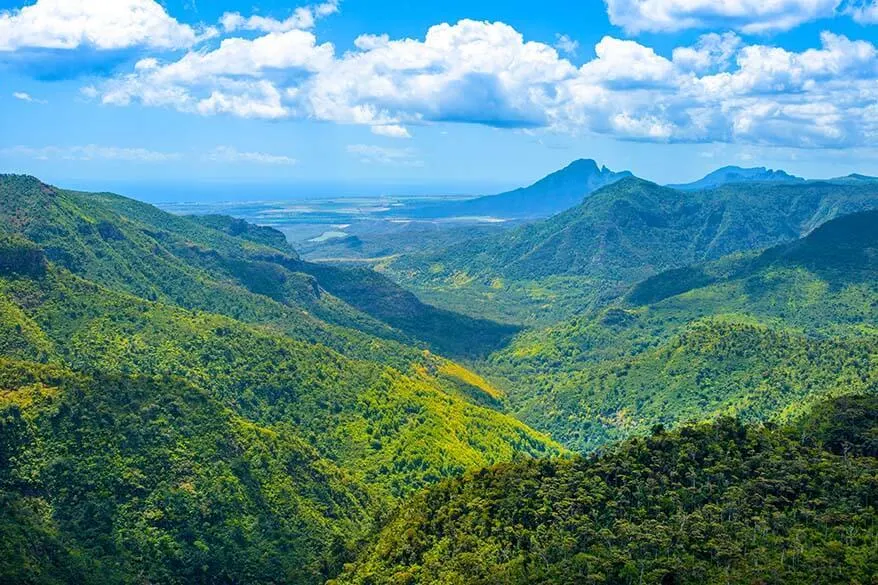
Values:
[(759, 335), (552, 194), (617, 236), (734, 174)]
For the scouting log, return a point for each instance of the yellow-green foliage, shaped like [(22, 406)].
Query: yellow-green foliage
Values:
[(466, 376)]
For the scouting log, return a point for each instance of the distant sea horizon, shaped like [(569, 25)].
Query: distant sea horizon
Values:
[(223, 191)]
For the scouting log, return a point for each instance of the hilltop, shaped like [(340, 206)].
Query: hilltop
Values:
[(715, 502)]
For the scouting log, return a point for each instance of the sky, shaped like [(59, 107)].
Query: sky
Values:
[(187, 99)]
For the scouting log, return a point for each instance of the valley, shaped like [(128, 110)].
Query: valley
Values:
[(592, 379)]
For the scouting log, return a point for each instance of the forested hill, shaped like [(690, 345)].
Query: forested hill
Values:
[(226, 266), (711, 503), (761, 336), (179, 404), (622, 234), (634, 227)]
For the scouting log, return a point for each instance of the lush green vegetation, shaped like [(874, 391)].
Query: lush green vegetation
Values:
[(619, 235), (225, 266), (108, 479), (759, 336), (184, 399), (181, 401), (710, 503)]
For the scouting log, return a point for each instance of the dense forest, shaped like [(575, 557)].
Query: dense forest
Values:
[(716, 502), (758, 336), (182, 401), (654, 386)]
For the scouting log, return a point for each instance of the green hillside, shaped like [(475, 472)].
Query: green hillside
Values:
[(619, 235), (710, 503), (108, 479), (182, 403), (759, 336), (224, 266)]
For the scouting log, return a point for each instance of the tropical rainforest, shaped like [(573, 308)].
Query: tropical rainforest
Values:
[(633, 384)]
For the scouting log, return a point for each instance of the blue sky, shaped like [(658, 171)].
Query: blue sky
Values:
[(372, 96)]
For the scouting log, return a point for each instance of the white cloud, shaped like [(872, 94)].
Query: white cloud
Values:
[(566, 45), (627, 64), (371, 154), (102, 24), (748, 16), (232, 78), (468, 72), (228, 154), (302, 18), (712, 51), (391, 131), (864, 11), (717, 90), (90, 152), (26, 97)]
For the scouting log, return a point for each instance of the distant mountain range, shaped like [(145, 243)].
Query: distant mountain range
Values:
[(553, 194), (569, 186), (633, 229), (731, 174)]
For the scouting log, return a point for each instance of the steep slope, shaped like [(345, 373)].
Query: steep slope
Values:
[(731, 175), (552, 194), (396, 426), (109, 479), (175, 409), (760, 336), (373, 293), (619, 235), (224, 266), (712, 503)]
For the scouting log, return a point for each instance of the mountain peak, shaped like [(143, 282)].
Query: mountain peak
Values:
[(583, 164), (552, 194)]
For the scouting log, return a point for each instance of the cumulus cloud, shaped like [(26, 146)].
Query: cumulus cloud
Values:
[(90, 152), (371, 154), (99, 24), (712, 51), (719, 89), (303, 18), (468, 72), (627, 65), (748, 16), (234, 78), (228, 154), (864, 11)]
